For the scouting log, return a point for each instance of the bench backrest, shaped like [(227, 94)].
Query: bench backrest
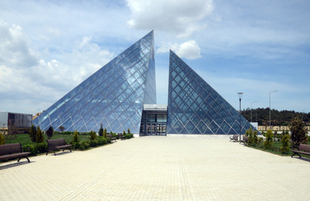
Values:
[(235, 137), (10, 148), (56, 142), (109, 135), (304, 147)]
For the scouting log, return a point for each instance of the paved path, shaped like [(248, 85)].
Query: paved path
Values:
[(158, 168)]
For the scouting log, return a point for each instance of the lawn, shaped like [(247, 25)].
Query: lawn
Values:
[(24, 139)]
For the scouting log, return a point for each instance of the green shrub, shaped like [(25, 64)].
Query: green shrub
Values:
[(31, 148), (285, 148), (268, 141), (93, 143), (39, 136), (102, 141), (129, 135), (84, 145), (42, 147), (33, 133), (75, 145), (75, 138), (2, 140), (93, 135), (50, 132), (260, 139)]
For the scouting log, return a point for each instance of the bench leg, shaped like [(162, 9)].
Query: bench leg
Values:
[(24, 157), (297, 154)]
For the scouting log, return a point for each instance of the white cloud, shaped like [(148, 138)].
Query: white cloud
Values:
[(44, 80), (14, 50), (188, 50), (180, 17)]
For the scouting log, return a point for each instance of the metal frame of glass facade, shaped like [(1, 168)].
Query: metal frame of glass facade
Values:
[(113, 96), (194, 107)]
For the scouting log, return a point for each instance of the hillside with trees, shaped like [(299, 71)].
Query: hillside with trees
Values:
[(278, 118)]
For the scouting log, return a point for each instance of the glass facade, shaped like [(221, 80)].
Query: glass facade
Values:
[(113, 96), (194, 107)]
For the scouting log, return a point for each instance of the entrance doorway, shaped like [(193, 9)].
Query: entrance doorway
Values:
[(153, 123)]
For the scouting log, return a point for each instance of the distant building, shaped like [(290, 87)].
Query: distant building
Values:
[(21, 122)]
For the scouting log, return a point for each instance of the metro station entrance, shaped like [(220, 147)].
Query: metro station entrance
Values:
[(154, 121)]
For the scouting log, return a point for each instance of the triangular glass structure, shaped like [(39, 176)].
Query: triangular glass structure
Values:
[(194, 107), (113, 96)]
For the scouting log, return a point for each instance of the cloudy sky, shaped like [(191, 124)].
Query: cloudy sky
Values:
[(255, 47)]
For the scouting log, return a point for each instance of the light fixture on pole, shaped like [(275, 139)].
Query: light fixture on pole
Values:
[(251, 109), (240, 96), (270, 108)]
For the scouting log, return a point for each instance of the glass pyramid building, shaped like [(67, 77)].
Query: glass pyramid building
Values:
[(194, 107), (113, 96)]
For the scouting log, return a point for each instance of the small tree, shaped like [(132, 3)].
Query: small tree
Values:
[(124, 134), (100, 131), (75, 136), (2, 140), (268, 141), (50, 132), (39, 136), (105, 133), (61, 128), (253, 140), (33, 133), (128, 131), (298, 132), (93, 135), (285, 148)]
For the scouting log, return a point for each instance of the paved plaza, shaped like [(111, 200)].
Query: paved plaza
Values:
[(158, 168)]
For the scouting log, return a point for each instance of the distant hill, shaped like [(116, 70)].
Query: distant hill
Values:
[(278, 118)]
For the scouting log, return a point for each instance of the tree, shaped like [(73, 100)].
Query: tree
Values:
[(100, 131), (33, 133), (93, 135), (50, 132), (2, 140), (61, 128), (253, 140), (75, 136), (298, 132), (39, 136), (268, 141), (128, 131), (105, 133), (285, 147)]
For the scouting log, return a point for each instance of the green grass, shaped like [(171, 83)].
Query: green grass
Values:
[(24, 139), (275, 149)]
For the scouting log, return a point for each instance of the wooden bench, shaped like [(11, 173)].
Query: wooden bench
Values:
[(302, 149), (234, 138), (121, 136), (8, 151), (245, 140), (57, 144), (111, 137)]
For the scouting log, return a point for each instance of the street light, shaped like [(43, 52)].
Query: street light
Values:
[(251, 109), (240, 96), (270, 108)]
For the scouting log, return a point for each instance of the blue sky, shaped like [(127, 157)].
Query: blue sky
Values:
[(49, 47)]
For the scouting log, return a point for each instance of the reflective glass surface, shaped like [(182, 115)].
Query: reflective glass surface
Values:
[(194, 107), (113, 96)]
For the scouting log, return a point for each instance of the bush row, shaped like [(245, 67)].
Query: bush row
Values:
[(82, 145)]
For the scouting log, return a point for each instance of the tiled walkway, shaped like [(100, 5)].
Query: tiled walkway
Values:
[(158, 168)]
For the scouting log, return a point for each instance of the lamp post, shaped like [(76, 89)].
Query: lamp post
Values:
[(240, 96), (270, 108), (251, 109)]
